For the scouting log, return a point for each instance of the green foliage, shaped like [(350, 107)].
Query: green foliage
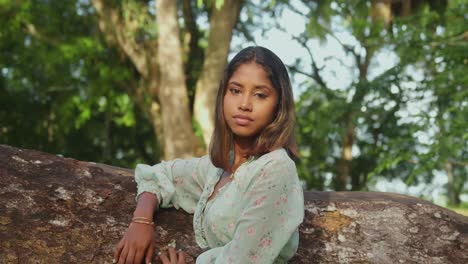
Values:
[(143, 21), (435, 44), (461, 208), (317, 130), (62, 89), (391, 139)]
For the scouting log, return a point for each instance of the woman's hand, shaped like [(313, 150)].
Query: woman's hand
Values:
[(136, 245), (173, 258), (138, 242)]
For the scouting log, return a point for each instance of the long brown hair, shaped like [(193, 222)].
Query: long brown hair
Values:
[(279, 133)]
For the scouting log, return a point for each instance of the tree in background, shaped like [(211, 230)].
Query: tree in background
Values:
[(128, 81), (349, 134), (62, 88), (347, 126), (155, 47), (436, 44), (105, 55)]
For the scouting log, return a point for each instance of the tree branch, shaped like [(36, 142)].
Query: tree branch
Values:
[(316, 73), (191, 34), (116, 30), (33, 31), (296, 70)]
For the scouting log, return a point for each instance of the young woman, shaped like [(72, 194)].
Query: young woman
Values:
[(245, 195)]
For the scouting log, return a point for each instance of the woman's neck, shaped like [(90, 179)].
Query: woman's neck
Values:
[(242, 148)]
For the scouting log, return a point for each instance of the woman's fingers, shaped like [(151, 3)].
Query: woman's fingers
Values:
[(118, 251), (172, 257), (164, 258), (130, 257), (123, 255), (181, 259), (149, 253), (172, 254), (139, 257)]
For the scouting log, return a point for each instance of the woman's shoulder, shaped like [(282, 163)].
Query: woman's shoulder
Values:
[(203, 164), (274, 162), (279, 155), (272, 167)]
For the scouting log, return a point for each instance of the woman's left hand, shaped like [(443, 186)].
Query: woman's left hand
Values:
[(174, 256)]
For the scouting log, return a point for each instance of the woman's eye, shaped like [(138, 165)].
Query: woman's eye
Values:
[(234, 90), (261, 96)]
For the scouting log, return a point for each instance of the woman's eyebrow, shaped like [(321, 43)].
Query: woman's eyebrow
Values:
[(261, 86), (266, 87), (236, 83)]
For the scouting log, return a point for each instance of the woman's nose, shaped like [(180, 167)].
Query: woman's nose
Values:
[(245, 104)]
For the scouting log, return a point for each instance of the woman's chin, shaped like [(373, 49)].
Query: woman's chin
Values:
[(244, 133)]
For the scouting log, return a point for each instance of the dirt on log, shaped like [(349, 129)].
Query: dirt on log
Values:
[(61, 210)]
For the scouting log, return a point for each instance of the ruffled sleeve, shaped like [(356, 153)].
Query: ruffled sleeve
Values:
[(267, 228), (177, 183)]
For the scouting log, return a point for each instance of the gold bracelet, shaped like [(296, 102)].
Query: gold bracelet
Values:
[(142, 218), (142, 222)]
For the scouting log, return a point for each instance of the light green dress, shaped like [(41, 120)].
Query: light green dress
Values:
[(253, 219)]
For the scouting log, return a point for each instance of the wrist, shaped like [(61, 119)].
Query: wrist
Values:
[(143, 212), (147, 204)]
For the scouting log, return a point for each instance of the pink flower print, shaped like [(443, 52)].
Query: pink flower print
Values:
[(250, 231), (265, 241), (178, 181), (213, 227), (230, 226), (260, 200), (276, 204), (194, 175), (284, 199), (253, 258), (282, 220)]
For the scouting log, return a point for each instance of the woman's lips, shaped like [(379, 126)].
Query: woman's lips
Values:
[(242, 120)]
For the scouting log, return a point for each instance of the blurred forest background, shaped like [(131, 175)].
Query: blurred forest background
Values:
[(134, 81)]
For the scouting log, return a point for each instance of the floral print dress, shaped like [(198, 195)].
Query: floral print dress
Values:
[(253, 219)]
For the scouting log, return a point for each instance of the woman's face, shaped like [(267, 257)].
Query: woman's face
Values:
[(250, 101)]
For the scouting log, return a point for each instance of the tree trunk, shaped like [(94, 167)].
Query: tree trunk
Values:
[(60, 210), (178, 132), (160, 66), (344, 164), (452, 194), (143, 56), (222, 22), (406, 8), (381, 10), (387, 10)]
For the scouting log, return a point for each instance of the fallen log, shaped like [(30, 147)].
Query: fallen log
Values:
[(61, 210)]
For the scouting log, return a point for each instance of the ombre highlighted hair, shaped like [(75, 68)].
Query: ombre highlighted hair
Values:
[(279, 133)]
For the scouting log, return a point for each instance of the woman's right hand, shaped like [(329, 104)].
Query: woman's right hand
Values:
[(136, 245)]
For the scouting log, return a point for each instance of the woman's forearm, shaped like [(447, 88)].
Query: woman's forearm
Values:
[(147, 204)]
